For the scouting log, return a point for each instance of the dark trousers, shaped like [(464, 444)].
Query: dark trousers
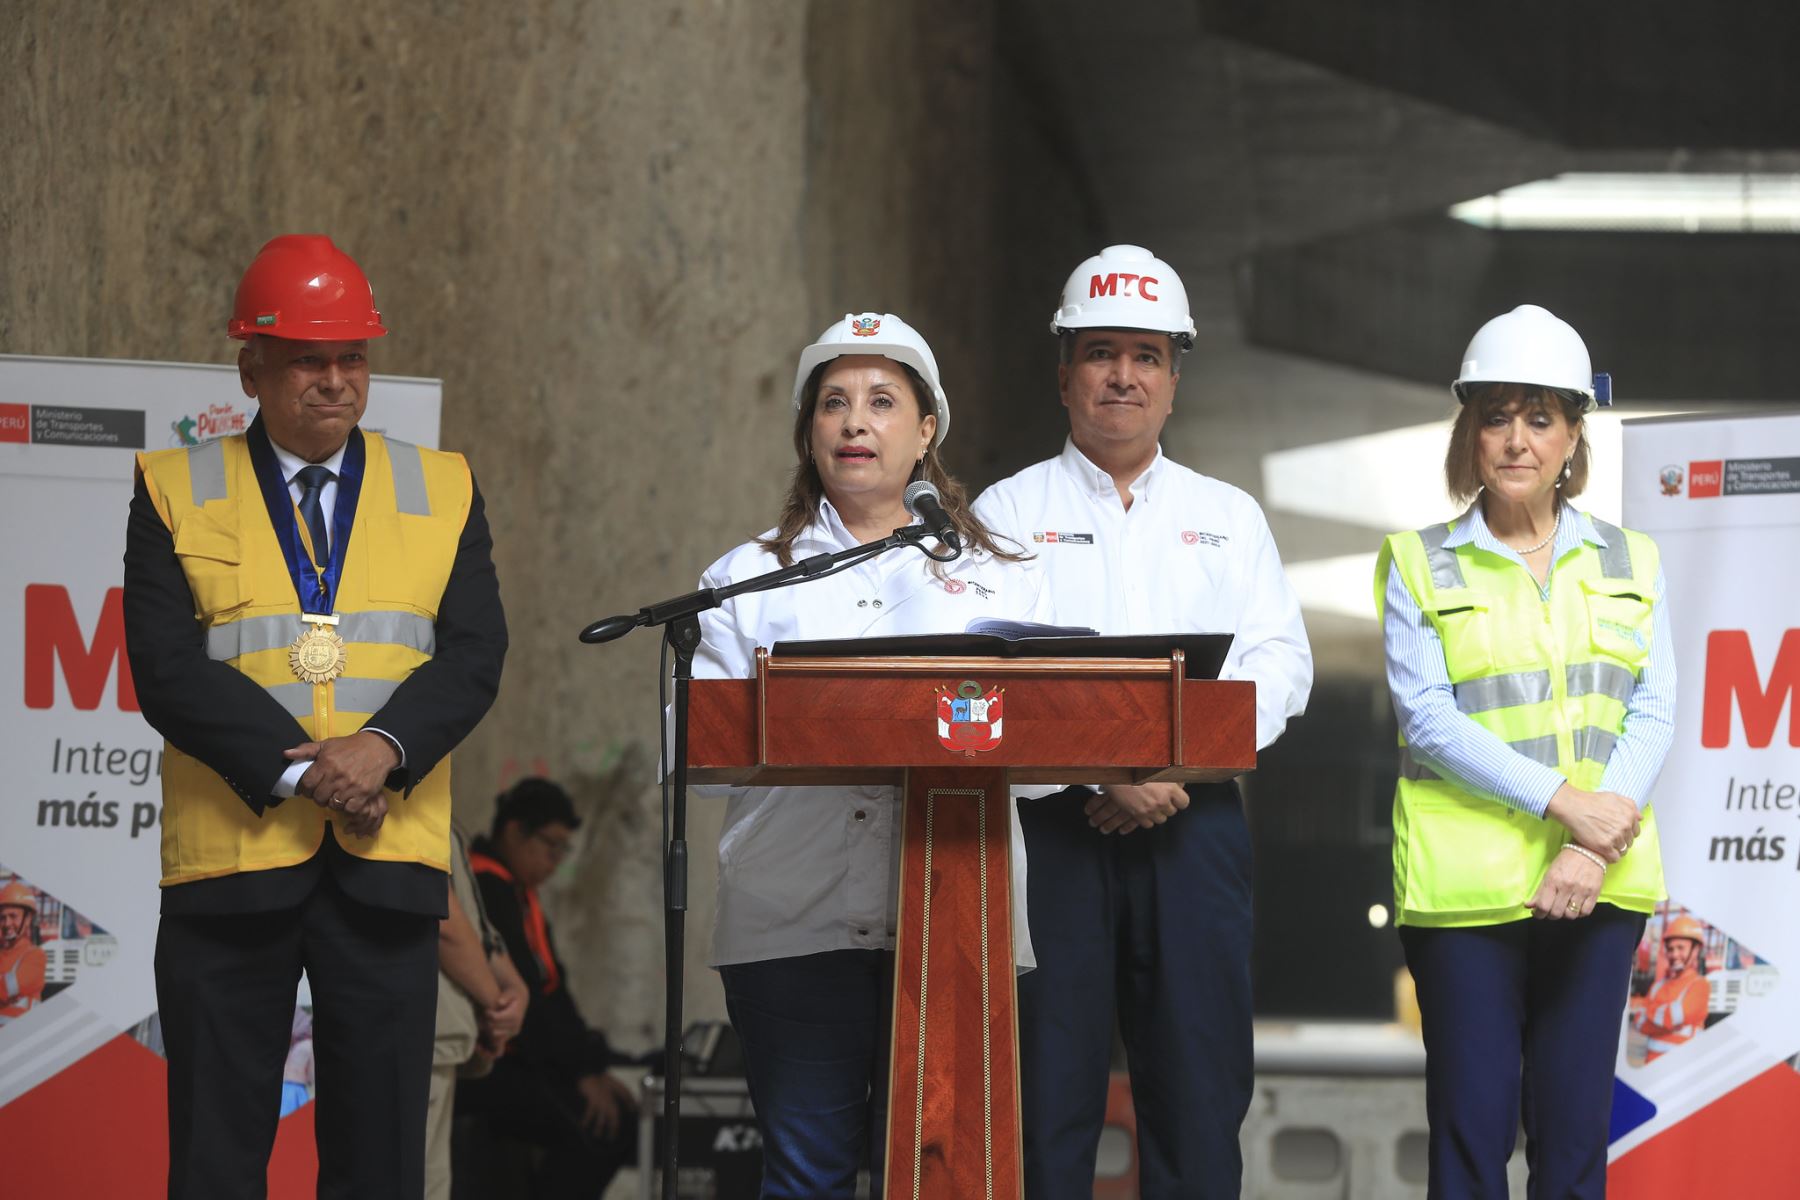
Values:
[(815, 1033), (525, 1106), (1528, 1011), (225, 992), (1152, 929)]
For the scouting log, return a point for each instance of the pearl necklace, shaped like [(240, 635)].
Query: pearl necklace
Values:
[(1548, 537)]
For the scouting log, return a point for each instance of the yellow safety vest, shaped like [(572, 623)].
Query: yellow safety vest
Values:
[(1551, 677), (402, 546)]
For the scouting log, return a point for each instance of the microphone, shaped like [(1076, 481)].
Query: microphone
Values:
[(923, 502)]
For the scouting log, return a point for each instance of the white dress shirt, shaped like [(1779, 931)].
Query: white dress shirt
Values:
[(803, 870), (1191, 555), (291, 465)]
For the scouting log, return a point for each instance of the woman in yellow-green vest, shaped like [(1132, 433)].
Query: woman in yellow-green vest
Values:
[(1529, 660)]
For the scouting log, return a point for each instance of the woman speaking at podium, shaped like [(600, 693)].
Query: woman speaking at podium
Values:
[(1529, 660), (804, 932)]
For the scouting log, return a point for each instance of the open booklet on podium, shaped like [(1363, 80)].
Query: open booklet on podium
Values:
[(953, 720)]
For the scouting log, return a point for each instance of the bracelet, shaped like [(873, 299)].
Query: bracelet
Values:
[(1586, 853)]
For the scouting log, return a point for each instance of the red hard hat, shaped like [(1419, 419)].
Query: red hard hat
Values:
[(300, 286)]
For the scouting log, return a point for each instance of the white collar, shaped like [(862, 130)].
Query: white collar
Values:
[(1083, 471), (829, 529), (292, 464)]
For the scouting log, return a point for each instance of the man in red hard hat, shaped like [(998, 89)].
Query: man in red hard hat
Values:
[(314, 623)]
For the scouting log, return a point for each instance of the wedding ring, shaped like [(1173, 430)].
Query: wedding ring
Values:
[(1574, 906)]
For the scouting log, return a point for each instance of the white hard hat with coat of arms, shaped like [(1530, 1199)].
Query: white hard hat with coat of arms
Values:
[(883, 334)]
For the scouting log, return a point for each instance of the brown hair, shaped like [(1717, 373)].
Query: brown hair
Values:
[(805, 491), (1462, 461)]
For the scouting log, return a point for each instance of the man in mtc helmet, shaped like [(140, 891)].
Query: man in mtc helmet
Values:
[(1140, 896), (313, 623), (21, 959), (1676, 1008)]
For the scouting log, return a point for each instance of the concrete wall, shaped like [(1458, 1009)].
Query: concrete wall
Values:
[(607, 228)]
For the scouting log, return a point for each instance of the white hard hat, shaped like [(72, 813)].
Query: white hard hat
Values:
[(1126, 287), (1532, 345), (883, 334)]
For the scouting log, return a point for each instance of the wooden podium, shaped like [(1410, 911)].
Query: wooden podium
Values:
[(953, 733)]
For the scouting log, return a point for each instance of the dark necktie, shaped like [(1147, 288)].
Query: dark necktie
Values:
[(312, 483)]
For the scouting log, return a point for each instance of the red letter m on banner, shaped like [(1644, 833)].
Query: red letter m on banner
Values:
[(1731, 675), (53, 634)]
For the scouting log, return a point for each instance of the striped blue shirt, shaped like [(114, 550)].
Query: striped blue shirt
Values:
[(1448, 741)]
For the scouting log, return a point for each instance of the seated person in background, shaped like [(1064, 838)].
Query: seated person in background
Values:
[(551, 1088)]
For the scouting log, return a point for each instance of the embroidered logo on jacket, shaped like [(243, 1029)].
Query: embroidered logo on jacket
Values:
[(957, 587), (1064, 539), (1195, 537)]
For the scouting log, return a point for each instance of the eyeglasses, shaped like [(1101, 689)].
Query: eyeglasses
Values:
[(558, 847)]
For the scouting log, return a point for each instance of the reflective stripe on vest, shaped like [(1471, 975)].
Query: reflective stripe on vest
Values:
[(1605, 679), (410, 495), (253, 634), (1591, 743), (1615, 556), (1462, 858), (351, 694), (1502, 691), (206, 471), (24, 1004), (1446, 572)]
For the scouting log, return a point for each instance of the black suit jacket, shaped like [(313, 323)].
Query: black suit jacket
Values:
[(218, 715)]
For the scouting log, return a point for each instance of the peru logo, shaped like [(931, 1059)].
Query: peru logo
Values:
[(968, 719), (865, 326), (1670, 478)]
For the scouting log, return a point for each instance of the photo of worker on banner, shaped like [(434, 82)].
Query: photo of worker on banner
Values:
[(1687, 976), (44, 944)]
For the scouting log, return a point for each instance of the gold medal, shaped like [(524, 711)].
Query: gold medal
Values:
[(317, 655)]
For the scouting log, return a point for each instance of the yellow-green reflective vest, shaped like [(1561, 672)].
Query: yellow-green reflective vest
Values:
[(402, 547), (1550, 676)]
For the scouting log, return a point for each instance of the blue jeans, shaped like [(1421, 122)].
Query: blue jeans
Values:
[(815, 1033), (1527, 1011), (1151, 929)]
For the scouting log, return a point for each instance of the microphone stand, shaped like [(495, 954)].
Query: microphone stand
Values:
[(680, 619)]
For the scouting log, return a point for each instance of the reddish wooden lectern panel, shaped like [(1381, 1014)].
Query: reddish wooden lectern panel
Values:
[(953, 1116)]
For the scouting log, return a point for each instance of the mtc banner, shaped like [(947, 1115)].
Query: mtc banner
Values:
[(79, 822), (1708, 1099)]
